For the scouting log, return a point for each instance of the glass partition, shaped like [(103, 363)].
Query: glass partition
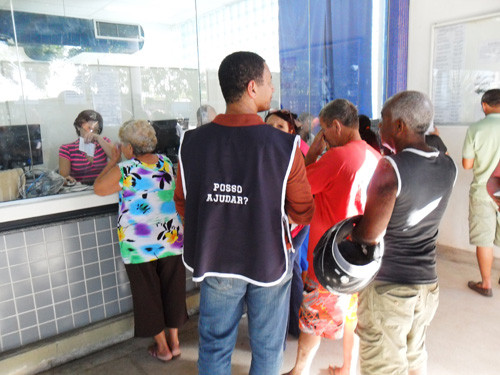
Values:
[(158, 60), (148, 59)]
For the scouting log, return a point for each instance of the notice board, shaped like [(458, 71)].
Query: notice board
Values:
[(465, 62)]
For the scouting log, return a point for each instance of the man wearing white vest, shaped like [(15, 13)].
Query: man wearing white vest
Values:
[(240, 184)]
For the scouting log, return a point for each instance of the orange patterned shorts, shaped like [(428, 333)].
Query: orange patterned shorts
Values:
[(323, 313)]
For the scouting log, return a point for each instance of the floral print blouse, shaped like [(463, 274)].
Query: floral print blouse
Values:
[(149, 228)]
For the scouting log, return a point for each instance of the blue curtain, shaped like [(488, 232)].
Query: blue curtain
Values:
[(397, 46), (325, 53)]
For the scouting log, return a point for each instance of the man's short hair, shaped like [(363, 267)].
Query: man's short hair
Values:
[(491, 97), (414, 108), (236, 71), (342, 110)]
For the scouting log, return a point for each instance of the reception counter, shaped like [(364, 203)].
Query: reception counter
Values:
[(25, 213)]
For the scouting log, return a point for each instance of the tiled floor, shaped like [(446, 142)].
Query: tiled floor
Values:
[(463, 339)]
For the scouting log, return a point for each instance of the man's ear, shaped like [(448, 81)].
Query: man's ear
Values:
[(400, 125), (486, 107), (251, 89), (337, 126)]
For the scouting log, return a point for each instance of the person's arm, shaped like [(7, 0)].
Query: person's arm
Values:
[(106, 145), (299, 202), (467, 163), (381, 197), (65, 164), (65, 168), (468, 152), (316, 149), (493, 185), (108, 181), (179, 200)]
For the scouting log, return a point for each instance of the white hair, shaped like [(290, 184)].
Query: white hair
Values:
[(414, 108)]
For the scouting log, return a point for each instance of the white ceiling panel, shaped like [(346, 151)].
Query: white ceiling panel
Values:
[(133, 11)]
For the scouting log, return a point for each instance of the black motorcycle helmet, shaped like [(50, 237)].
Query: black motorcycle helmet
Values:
[(344, 266)]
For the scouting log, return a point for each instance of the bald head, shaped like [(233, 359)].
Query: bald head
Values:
[(414, 108)]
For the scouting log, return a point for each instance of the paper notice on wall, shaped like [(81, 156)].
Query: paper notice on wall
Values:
[(490, 51), (72, 97), (449, 60), (460, 95), (465, 64), (106, 96), (449, 48)]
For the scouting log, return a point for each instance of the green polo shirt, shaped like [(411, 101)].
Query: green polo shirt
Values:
[(482, 143)]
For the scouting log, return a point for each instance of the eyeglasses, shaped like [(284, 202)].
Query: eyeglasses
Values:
[(90, 125)]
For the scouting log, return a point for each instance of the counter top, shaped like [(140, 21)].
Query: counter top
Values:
[(54, 204)]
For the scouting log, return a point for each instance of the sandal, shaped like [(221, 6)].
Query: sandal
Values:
[(176, 353), (153, 352), (476, 287)]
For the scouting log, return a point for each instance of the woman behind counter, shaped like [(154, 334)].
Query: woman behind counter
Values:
[(150, 235), (86, 157)]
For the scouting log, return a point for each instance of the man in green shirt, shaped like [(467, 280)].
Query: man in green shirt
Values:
[(481, 153)]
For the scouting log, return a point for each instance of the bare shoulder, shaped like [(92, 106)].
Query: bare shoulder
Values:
[(384, 179)]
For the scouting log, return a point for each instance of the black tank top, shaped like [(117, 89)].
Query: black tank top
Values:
[(425, 182)]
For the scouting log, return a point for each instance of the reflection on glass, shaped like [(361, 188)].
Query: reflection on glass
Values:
[(148, 59), (20, 146)]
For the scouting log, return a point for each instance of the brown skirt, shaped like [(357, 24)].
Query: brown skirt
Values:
[(158, 294)]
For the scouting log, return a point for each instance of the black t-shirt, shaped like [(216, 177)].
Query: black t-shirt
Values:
[(425, 182)]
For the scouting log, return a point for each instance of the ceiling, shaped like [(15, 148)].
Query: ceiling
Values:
[(136, 11)]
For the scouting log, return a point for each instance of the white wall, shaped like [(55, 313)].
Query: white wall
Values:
[(423, 15)]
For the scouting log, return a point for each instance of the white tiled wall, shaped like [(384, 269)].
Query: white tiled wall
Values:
[(59, 278)]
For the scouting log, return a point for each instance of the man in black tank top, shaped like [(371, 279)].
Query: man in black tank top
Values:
[(406, 200)]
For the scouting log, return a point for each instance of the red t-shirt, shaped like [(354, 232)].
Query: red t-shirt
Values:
[(339, 180)]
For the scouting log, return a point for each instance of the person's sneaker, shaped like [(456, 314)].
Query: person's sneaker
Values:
[(476, 287)]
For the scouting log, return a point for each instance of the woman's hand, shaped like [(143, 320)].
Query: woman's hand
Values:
[(90, 137), (69, 181)]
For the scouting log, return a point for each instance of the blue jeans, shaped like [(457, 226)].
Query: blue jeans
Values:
[(297, 286), (221, 306)]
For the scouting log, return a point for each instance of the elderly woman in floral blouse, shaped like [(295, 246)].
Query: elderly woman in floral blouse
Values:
[(150, 235)]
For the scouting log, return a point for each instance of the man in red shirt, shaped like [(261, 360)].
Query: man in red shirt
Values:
[(339, 180)]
